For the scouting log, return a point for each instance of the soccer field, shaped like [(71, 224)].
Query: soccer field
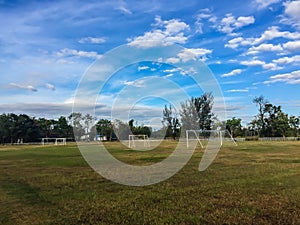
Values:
[(253, 183)]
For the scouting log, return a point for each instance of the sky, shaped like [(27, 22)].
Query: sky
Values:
[(251, 47)]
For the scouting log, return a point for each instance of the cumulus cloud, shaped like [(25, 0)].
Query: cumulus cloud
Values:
[(66, 52), (232, 73), (239, 41), (261, 4), (92, 40), (264, 48), (193, 54), (292, 46), (206, 15), (273, 32), (288, 78), (270, 34), (24, 87), (164, 33), (190, 54), (257, 62), (292, 13), (288, 60), (229, 23)]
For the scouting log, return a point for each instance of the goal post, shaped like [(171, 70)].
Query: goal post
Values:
[(218, 133), (132, 138), (56, 141)]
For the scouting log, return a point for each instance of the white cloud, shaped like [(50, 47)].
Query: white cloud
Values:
[(257, 62), (66, 52), (165, 33), (173, 70), (292, 13), (229, 23), (124, 10), (50, 86), (173, 60), (288, 78), (136, 83), (25, 87), (169, 75), (204, 15), (264, 48), (236, 42), (288, 60), (140, 68), (232, 73), (273, 32), (193, 54), (190, 54), (237, 90), (292, 46), (270, 34), (261, 4), (93, 40), (254, 62)]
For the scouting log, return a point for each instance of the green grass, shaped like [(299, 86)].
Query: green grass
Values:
[(254, 183)]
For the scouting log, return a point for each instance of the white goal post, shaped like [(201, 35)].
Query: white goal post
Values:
[(220, 134), (56, 141), (134, 137)]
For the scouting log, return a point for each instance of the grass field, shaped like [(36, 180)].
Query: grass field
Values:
[(254, 183)]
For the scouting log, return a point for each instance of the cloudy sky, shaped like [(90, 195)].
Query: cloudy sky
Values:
[(252, 47)]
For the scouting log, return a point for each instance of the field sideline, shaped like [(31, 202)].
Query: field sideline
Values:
[(253, 183)]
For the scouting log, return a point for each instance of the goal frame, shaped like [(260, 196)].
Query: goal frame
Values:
[(131, 140), (218, 131), (57, 141)]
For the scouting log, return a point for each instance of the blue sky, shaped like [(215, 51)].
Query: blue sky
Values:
[(252, 47)]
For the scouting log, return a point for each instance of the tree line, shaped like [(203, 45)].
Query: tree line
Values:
[(194, 114)]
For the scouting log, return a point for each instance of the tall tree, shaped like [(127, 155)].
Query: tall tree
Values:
[(204, 105), (170, 121), (260, 122), (76, 121), (189, 116), (196, 113)]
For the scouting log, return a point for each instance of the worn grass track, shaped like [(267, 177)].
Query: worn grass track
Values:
[(254, 183)]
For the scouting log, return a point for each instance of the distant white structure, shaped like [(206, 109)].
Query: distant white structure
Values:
[(138, 137), (218, 133), (56, 141)]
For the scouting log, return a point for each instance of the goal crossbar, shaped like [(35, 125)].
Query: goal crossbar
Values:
[(63, 141), (220, 134), (132, 137)]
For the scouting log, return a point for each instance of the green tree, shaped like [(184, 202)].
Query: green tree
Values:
[(260, 121), (203, 105), (234, 126), (76, 122), (171, 122), (294, 125), (189, 116), (105, 128), (63, 129), (196, 113)]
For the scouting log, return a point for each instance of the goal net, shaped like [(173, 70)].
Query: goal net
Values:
[(140, 139), (200, 136)]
